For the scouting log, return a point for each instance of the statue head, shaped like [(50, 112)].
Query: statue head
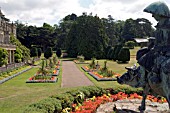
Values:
[(158, 10)]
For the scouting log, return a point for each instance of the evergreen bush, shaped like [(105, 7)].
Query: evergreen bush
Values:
[(39, 52), (48, 53), (116, 52), (124, 55), (58, 52), (130, 44), (34, 52)]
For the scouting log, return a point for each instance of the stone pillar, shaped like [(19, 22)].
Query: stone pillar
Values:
[(12, 56), (9, 56)]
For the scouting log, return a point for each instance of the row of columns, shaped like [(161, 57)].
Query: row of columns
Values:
[(11, 56)]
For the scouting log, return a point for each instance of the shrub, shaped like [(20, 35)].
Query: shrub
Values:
[(39, 52), (34, 52), (51, 64), (92, 64), (56, 103), (3, 57), (66, 99), (48, 53), (130, 44), (49, 105), (80, 58), (116, 52), (124, 55), (58, 52), (55, 60)]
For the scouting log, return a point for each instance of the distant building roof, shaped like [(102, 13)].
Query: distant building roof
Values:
[(139, 40), (151, 38)]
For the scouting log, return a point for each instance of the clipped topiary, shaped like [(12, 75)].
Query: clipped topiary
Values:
[(48, 53), (117, 49), (34, 52), (58, 52), (124, 55), (39, 52), (130, 44)]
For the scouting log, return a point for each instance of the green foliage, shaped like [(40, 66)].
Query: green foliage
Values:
[(124, 55), (92, 64), (39, 52), (48, 53), (54, 60), (34, 52), (18, 55), (58, 52), (3, 56), (140, 27), (66, 99), (42, 70), (130, 44), (105, 65), (107, 50), (80, 58), (49, 105), (87, 37), (22, 52), (110, 53), (116, 51), (51, 64), (57, 102)]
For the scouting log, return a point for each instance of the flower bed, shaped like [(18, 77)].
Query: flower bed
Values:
[(15, 74), (78, 62), (99, 77), (90, 105), (42, 79), (55, 72), (86, 68)]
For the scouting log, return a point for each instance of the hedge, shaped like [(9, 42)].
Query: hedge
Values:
[(56, 103)]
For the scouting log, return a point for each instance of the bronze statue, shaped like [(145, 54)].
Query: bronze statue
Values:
[(153, 74)]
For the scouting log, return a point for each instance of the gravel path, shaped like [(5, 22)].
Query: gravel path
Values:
[(72, 76)]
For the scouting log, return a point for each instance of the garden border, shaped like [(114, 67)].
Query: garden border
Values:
[(10, 77), (42, 81), (101, 79)]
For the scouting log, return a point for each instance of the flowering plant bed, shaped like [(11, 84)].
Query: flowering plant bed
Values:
[(86, 68), (91, 104), (42, 79), (99, 77), (78, 62), (55, 72)]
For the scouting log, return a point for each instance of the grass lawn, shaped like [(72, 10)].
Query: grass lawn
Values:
[(15, 94)]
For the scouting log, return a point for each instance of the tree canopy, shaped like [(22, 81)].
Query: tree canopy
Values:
[(87, 37)]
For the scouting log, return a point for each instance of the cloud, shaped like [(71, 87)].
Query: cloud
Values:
[(52, 11)]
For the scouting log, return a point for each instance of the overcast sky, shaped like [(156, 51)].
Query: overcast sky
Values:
[(36, 12)]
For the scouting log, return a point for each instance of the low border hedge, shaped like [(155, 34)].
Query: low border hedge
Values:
[(56, 103)]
